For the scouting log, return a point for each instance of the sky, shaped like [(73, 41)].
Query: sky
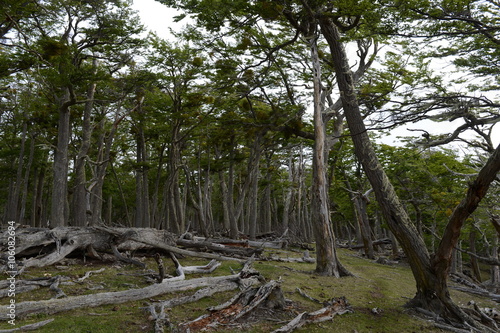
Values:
[(156, 16), (159, 18)]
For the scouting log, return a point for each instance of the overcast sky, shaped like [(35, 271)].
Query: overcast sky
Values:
[(159, 18), (156, 16)]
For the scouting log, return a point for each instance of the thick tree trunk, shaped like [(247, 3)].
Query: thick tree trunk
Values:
[(59, 205), (80, 197)]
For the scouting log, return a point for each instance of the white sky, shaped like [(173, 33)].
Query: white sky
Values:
[(159, 18), (156, 17)]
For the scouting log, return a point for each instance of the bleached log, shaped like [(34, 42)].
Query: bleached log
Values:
[(52, 306), (219, 248), (244, 243)]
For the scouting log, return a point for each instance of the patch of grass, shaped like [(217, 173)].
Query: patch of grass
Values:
[(377, 294)]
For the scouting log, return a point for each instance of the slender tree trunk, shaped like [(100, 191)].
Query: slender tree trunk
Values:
[(473, 260), (327, 262), (155, 211), (253, 197), (81, 204), (37, 210), (287, 205), (27, 174)]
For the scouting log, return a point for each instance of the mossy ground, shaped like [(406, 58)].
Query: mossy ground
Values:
[(373, 286)]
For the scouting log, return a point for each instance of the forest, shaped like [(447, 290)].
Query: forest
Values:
[(259, 122)]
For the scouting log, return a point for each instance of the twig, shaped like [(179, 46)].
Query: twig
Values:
[(88, 274)]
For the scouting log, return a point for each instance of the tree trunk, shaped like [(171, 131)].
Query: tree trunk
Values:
[(12, 209), (27, 174), (81, 204), (432, 290), (473, 260), (327, 262), (253, 197), (59, 209)]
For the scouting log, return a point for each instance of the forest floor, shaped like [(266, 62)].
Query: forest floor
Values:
[(377, 294)]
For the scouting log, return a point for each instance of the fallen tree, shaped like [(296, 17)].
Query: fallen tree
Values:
[(39, 247), (23, 309)]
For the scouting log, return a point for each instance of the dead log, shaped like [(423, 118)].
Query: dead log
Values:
[(244, 252), (23, 286), (159, 244), (337, 306), (244, 243), (55, 244), (245, 302), (306, 258), (52, 306), (161, 319), (383, 241)]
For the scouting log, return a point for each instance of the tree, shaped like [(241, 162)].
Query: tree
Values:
[(430, 274)]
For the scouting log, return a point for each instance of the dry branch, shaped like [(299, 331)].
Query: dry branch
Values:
[(337, 306), (268, 295)]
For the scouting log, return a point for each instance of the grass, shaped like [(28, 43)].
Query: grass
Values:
[(373, 286)]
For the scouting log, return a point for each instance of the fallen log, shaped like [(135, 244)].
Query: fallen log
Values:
[(337, 306), (53, 245), (161, 319), (217, 247), (158, 244), (52, 306), (306, 258), (244, 243), (383, 241)]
